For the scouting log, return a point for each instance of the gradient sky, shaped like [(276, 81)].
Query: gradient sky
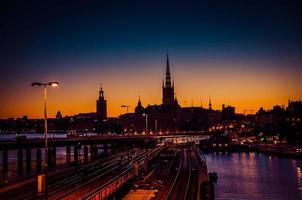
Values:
[(242, 53)]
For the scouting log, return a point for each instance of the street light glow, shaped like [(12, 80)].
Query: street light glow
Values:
[(36, 84), (54, 84)]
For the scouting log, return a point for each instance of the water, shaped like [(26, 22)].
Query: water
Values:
[(253, 177)]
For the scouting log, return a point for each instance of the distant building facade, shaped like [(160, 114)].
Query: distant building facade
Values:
[(285, 122), (228, 112)]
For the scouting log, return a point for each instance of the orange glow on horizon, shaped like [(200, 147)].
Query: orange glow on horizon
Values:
[(244, 88)]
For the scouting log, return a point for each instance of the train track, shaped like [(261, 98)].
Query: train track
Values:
[(189, 177), (107, 177), (66, 180), (59, 183), (119, 174), (180, 179), (186, 179), (193, 188), (98, 175), (164, 173)]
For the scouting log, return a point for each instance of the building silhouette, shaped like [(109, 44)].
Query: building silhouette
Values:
[(101, 106), (169, 116), (228, 112), (168, 87), (58, 115), (139, 108)]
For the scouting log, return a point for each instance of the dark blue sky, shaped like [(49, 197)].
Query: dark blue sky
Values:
[(36, 31), (39, 38)]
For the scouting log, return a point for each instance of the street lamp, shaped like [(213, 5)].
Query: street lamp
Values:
[(155, 126), (125, 106), (146, 122), (128, 146), (44, 85)]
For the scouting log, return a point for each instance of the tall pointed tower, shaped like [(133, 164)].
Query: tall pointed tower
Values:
[(139, 108), (168, 87), (101, 106)]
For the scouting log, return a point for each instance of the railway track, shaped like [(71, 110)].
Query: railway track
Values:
[(177, 191), (186, 180), (192, 192), (123, 172), (164, 172), (66, 180), (110, 169)]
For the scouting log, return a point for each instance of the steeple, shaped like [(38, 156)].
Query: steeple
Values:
[(101, 93), (210, 104), (139, 101), (168, 86), (168, 75), (139, 108), (58, 115)]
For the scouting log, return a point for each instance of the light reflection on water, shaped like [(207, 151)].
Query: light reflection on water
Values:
[(254, 176)]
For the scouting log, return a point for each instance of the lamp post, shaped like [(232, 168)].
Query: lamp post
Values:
[(128, 146), (126, 106), (146, 122), (44, 85), (155, 126)]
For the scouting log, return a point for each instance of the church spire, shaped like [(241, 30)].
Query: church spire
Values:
[(139, 108), (210, 104), (168, 86), (139, 101), (168, 65), (168, 75)]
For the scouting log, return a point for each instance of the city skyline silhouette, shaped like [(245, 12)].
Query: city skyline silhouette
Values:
[(243, 54)]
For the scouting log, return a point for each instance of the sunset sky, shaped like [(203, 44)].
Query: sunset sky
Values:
[(246, 53)]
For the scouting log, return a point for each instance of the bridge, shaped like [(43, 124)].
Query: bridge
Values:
[(91, 146), (105, 176)]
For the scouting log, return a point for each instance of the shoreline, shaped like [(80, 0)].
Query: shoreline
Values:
[(248, 149)]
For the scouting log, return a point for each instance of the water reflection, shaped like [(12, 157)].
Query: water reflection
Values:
[(256, 176)]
